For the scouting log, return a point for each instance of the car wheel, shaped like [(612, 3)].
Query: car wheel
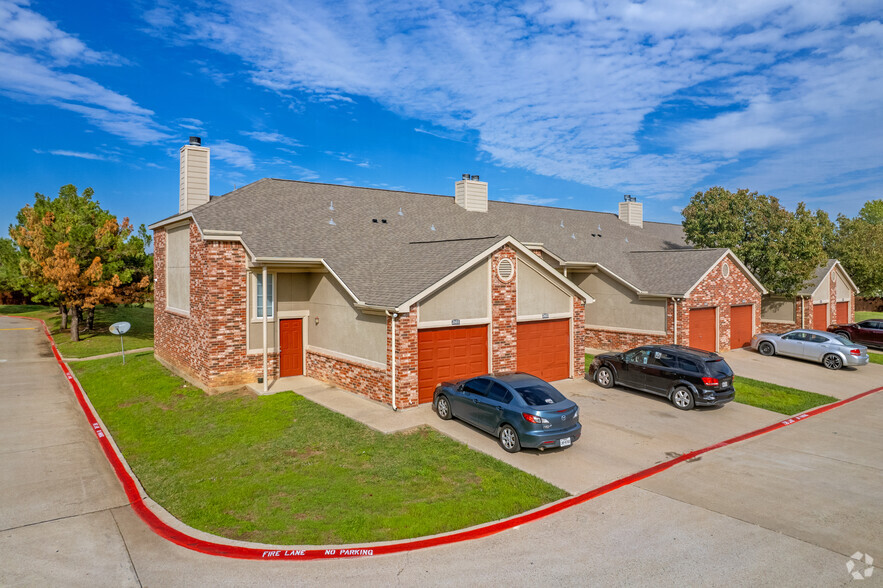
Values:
[(509, 439), (832, 362), (443, 406), (682, 398), (766, 348), (844, 334), (604, 377)]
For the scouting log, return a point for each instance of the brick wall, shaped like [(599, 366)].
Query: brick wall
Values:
[(351, 375), (722, 292), (579, 337), (207, 347), (406, 360), (504, 326)]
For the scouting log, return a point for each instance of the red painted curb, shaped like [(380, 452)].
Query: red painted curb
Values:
[(164, 530)]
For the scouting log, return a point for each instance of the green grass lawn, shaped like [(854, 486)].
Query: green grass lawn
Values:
[(99, 340), (863, 315), (777, 398), (282, 469)]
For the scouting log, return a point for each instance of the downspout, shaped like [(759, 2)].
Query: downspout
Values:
[(264, 322), (802, 312), (393, 318)]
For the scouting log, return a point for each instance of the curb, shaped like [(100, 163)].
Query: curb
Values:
[(267, 552)]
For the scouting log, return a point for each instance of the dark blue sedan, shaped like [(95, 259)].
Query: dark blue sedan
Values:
[(519, 409)]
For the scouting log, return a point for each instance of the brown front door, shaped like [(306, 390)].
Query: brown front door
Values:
[(291, 354)]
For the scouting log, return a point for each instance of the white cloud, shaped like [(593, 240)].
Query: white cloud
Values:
[(531, 199), (267, 137), (235, 155), (573, 89), (78, 154), (33, 52)]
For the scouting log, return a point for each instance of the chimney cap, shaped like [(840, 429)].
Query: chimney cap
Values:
[(465, 176), (629, 198), (474, 178), (196, 141)]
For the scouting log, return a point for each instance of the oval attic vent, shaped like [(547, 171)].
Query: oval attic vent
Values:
[(725, 269), (505, 269)]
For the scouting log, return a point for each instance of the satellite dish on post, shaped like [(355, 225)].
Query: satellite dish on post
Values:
[(119, 329)]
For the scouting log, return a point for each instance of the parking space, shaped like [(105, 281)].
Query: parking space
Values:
[(805, 375)]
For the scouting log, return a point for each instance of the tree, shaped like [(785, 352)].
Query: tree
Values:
[(11, 278), (781, 248), (78, 255), (859, 247)]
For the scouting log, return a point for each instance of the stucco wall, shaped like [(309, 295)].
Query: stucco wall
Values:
[(536, 294), (341, 327), (843, 289), (777, 308), (255, 325), (617, 306), (465, 298), (823, 291)]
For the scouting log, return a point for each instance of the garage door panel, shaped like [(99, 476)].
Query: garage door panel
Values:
[(703, 329), (543, 349), (842, 313), (449, 354), (820, 317), (741, 326)]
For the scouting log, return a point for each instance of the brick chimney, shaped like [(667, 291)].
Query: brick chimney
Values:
[(194, 189), (631, 211), (471, 194)]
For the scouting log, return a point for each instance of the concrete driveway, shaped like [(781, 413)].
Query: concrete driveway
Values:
[(805, 375)]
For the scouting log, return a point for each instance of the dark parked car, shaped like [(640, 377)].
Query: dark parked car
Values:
[(687, 377), (519, 409), (868, 332)]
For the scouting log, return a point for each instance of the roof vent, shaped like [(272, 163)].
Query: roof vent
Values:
[(471, 194), (505, 269), (631, 211), (197, 141)]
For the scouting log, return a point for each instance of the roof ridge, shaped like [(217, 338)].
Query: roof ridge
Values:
[(453, 240)]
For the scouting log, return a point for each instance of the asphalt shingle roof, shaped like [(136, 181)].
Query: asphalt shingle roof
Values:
[(426, 237)]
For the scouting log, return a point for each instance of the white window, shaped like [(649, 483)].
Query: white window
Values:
[(259, 305)]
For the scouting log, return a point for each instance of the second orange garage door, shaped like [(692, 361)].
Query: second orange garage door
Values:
[(703, 329), (842, 313), (741, 326), (449, 354), (544, 349)]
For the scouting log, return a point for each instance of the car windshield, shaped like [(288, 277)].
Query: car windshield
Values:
[(719, 368), (539, 394)]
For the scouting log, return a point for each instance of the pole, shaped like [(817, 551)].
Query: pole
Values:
[(123, 347)]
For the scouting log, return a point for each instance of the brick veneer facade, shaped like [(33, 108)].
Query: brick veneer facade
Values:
[(579, 337), (207, 346), (803, 307), (714, 290), (504, 325)]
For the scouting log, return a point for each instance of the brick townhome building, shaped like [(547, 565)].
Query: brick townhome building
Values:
[(386, 293), (828, 298)]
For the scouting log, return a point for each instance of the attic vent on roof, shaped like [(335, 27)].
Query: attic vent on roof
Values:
[(332, 205), (505, 269), (331, 222), (401, 212)]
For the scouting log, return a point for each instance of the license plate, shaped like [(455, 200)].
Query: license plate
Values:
[(564, 442)]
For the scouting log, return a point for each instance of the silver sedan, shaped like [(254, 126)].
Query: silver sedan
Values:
[(832, 351)]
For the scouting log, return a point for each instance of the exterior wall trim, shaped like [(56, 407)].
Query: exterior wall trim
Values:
[(374, 365), (624, 330), (462, 323), (524, 318)]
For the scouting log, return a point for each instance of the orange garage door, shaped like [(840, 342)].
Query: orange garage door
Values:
[(842, 313), (741, 326), (544, 349), (820, 317), (703, 329), (449, 354)]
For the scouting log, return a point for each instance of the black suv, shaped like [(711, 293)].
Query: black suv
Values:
[(686, 376)]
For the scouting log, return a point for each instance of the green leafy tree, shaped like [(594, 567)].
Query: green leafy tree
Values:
[(77, 255), (11, 278), (859, 247), (781, 248)]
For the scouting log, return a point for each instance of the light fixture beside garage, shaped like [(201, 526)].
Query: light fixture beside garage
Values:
[(505, 269)]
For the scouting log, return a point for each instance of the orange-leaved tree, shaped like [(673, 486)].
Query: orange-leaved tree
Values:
[(78, 255)]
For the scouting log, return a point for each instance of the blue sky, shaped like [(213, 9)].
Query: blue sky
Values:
[(567, 103)]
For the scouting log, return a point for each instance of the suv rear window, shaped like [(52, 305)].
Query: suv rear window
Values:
[(540, 394), (718, 368)]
